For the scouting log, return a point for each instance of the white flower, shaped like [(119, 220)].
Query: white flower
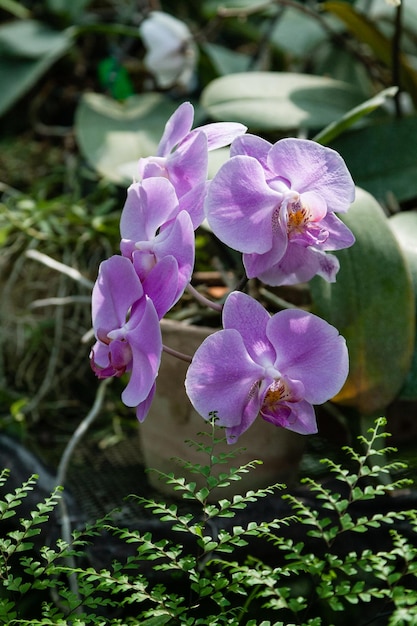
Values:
[(171, 52)]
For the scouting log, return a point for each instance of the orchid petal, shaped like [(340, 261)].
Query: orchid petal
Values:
[(144, 338), (328, 266), (250, 319), (116, 289), (165, 282), (193, 202), (312, 167), (240, 205), (257, 265), (220, 134), (178, 240), (149, 204), (249, 415), (143, 407), (99, 359), (222, 378), (296, 416), (188, 165), (298, 265), (340, 236), (127, 248), (252, 145), (162, 285), (143, 261), (310, 350), (120, 356), (176, 128), (149, 167)]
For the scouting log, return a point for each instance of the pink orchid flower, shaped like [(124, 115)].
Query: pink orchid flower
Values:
[(272, 367), (276, 204), (127, 330)]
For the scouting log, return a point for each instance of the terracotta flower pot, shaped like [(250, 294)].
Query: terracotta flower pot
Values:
[(172, 420)]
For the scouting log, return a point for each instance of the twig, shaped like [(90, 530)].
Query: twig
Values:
[(59, 301), (80, 432), (59, 267)]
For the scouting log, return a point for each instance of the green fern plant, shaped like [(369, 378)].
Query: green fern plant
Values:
[(204, 570), (332, 583)]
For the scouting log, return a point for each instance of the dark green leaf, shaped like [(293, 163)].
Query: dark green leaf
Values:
[(382, 158), (404, 226), (159, 620)]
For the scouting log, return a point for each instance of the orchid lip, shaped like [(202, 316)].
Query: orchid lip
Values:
[(298, 217), (279, 394)]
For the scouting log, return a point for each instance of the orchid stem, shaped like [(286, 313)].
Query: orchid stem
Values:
[(242, 283), (203, 300), (178, 355)]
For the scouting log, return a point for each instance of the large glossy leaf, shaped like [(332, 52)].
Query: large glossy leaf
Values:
[(278, 100), (372, 305), (382, 158), (404, 226), (114, 135), (27, 49)]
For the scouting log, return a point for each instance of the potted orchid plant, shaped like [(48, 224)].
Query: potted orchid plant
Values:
[(276, 204)]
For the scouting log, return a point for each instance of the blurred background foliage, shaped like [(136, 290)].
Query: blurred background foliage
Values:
[(82, 98)]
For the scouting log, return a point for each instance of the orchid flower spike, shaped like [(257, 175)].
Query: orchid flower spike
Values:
[(272, 367)]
